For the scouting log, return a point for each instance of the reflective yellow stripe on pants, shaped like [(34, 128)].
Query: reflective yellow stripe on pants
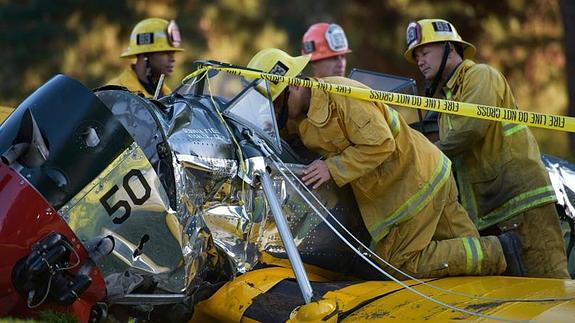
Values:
[(520, 203), (417, 202), (514, 206)]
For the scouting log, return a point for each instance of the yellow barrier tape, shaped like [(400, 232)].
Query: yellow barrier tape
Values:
[(532, 119), (4, 113)]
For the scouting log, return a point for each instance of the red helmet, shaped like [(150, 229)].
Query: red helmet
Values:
[(323, 40)]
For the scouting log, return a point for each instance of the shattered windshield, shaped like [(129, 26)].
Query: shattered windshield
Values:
[(255, 110), (247, 101), (219, 84)]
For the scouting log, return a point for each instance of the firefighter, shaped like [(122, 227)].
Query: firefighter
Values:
[(401, 181), (502, 182), (327, 45), (153, 43)]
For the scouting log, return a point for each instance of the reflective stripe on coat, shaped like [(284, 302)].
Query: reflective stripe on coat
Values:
[(394, 170), (497, 164)]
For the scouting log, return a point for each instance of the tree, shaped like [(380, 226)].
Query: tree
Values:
[(568, 12), (83, 39)]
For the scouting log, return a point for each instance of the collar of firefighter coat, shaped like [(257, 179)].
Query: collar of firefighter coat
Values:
[(319, 107), (459, 73), (323, 103)]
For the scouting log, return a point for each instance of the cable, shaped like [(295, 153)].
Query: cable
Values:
[(33, 291), (398, 270), (383, 271), (52, 274), (375, 266), (243, 166)]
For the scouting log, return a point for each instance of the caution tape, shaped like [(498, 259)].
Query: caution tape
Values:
[(4, 113), (486, 112)]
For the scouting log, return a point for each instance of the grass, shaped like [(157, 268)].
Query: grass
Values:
[(45, 316)]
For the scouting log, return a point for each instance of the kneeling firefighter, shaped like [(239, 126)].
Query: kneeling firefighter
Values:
[(502, 182), (401, 181)]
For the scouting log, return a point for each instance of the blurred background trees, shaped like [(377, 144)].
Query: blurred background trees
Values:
[(526, 40)]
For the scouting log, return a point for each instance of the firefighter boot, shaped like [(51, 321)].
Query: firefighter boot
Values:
[(511, 245)]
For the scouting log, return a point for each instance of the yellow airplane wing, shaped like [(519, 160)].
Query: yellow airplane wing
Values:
[(271, 294)]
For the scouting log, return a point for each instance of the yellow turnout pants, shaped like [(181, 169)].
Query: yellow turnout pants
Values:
[(542, 241), (441, 241)]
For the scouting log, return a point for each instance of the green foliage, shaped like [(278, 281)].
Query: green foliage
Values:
[(83, 39), (53, 317), (46, 317)]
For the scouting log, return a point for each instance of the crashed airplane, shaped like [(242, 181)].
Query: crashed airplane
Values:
[(190, 208)]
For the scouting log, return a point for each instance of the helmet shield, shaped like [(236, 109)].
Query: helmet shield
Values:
[(335, 38), (413, 34), (174, 36)]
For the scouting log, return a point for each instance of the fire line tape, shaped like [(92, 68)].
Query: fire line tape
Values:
[(532, 119)]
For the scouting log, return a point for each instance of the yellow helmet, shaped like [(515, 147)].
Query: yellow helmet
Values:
[(428, 31), (276, 61), (153, 35)]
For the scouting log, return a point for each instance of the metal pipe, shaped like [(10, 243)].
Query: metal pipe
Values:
[(159, 86), (287, 238)]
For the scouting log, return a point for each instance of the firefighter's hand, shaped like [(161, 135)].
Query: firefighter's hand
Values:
[(316, 173)]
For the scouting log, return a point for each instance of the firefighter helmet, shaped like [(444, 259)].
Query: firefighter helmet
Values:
[(323, 40), (428, 31), (276, 61), (153, 35)]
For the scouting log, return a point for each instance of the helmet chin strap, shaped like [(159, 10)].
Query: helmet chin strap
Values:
[(150, 72), (430, 91), (150, 82), (283, 117)]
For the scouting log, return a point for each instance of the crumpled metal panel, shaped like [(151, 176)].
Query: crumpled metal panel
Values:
[(244, 228), (191, 155), (562, 175), (128, 202), (212, 196), (204, 164), (217, 201), (317, 243), (193, 129)]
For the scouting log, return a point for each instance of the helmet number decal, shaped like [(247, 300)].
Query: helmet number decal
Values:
[(145, 38), (174, 36), (279, 69), (111, 209), (442, 27), (413, 34), (335, 37)]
